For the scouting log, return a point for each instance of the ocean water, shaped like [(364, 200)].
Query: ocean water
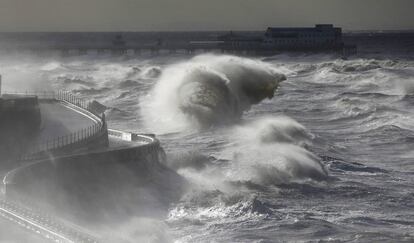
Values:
[(323, 156)]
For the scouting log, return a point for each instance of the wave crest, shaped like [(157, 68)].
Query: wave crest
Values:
[(273, 151), (210, 90)]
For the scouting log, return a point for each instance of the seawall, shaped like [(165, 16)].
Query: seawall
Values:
[(100, 185)]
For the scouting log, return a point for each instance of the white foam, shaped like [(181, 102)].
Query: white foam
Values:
[(208, 89)]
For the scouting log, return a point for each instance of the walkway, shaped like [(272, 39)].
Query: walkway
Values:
[(59, 120)]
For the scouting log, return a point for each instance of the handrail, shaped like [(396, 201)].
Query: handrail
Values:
[(69, 139), (59, 95)]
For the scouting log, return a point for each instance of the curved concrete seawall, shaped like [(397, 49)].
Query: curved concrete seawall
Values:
[(82, 172), (89, 186)]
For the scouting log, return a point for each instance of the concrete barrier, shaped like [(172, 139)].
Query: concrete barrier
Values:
[(132, 137), (98, 183)]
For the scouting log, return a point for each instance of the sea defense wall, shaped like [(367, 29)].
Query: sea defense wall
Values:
[(91, 185)]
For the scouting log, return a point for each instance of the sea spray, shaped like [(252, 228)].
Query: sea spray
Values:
[(264, 154), (208, 90), (272, 150), (267, 151)]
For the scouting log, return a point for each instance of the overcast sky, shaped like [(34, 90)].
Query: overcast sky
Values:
[(159, 15)]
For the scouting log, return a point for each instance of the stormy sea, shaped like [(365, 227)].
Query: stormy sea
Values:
[(287, 148)]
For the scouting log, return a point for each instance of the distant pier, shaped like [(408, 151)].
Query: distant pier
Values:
[(321, 38)]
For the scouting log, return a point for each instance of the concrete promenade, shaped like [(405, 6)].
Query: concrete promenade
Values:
[(72, 154), (60, 119)]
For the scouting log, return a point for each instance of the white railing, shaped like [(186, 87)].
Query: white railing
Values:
[(60, 95), (132, 137)]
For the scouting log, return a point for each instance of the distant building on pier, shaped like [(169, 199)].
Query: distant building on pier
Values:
[(322, 36)]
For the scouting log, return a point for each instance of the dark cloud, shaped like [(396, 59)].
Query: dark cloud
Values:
[(136, 15)]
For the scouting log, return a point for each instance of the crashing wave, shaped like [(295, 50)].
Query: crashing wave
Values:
[(151, 72), (211, 90), (273, 150), (268, 151)]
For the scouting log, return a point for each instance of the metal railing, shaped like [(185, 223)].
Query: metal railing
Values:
[(68, 139), (60, 96)]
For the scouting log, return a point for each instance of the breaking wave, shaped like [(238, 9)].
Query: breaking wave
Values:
[(209, 90), (266, 154), (269, 151), (273, 150)]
